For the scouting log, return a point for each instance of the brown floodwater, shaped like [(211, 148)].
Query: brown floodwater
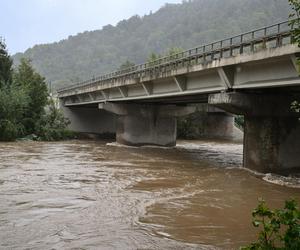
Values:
[(94, 195)]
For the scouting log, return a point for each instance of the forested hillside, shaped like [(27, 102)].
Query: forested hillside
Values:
[(185, 25)]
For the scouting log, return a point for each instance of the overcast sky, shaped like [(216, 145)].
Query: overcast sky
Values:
[(24, 23)]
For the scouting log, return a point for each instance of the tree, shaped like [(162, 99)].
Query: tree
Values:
[(174, 53), (36, 88), (23, 101), (13, 100), (52, 126), (295, 20), (13, 104), (126, 65), (295, 25), (280, 229), (152, 58), (5, 64)]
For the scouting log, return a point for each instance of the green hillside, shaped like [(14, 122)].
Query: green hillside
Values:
[(185, 25)]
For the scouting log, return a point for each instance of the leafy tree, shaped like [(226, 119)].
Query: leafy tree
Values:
[(126, 65), (52, 125), (23, 98), (5, 64), (295, 25), (280, 228), (295, 20), (13, 103), (13, 100), (174, 53), (239, 122), (153, 57), (36, 88)]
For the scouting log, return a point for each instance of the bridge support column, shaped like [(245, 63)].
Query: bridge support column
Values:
[(139, 125), (217, 124), (272, 144), (209, 123), (271, 130)]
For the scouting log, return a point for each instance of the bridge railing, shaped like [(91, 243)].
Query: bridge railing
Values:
[(246, 42)]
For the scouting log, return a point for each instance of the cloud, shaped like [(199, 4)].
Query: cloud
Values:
[(26, 23)]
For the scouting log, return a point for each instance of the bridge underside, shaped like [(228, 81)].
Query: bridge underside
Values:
[(260, 86)]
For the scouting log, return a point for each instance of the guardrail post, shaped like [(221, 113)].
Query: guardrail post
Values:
[(212, 52), (241, 45), (196, 56), (279, 41), (231, 50), (221, 49)]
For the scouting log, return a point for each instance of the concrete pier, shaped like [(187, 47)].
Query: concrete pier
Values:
[(272, 130), (213, 123), (139, 125)]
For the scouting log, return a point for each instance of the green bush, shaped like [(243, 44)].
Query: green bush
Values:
[(8, 130), (280, 228), (186, 128), (53, 125), (239, 122)]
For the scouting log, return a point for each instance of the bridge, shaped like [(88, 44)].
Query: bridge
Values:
[(254, 74)]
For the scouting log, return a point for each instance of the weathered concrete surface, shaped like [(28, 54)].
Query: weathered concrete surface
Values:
[(219, 126), (272, 144), (90, 120), (210, 122), (148, 130), (263, 104), (272, 130), (146, 124), (264, 56)]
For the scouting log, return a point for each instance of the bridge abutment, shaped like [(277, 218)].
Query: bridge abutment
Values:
[(90, 120), (271, 130), (139, 125)]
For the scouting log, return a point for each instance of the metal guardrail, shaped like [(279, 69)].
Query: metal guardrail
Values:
[(205, 53)]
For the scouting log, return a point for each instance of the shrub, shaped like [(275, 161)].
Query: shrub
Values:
[(53, 125), (8, 130), (280, 228)]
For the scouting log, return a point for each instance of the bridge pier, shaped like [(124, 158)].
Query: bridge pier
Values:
[(213, 123), (271, 131), (272, 144), (139, 125)]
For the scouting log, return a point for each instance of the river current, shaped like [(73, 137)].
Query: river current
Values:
[(98, 195)]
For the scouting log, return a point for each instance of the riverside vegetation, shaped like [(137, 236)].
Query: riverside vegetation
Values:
[(26, 109), (280, 228)]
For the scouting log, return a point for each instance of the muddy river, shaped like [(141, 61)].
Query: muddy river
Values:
[(99, 195)]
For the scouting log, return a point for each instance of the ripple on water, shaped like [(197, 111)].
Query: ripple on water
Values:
[(89, 195)]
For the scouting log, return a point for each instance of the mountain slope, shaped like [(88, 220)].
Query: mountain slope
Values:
[(185, 25)]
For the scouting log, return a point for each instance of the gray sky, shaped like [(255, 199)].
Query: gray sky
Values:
[(25, 23)]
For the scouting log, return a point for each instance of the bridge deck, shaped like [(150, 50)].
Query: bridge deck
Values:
[(218, 66)]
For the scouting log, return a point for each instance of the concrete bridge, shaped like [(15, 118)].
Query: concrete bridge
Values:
[(254, 74)]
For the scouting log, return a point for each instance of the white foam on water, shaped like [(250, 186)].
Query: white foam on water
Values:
[(115, 144), (287, 181)]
